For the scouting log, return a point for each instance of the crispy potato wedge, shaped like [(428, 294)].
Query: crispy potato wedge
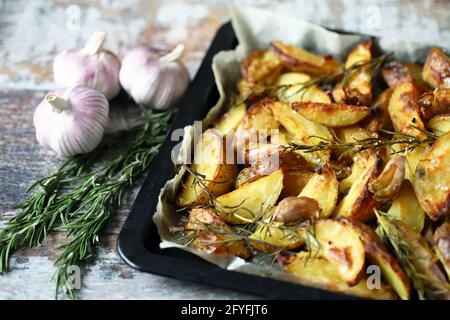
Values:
[(436, 70), (378, 117), (378, 255), (412, 159), (331, 114), (404, 111), (323, 187), (318, 272), (440, 124), (291, 88), (341, 245), (259, 117), (358, 167), (304, 130), (432, 179), (397, 72), (277, 236), (209, 161), (211, 233), (231, 119), (300, 60), (388, 183), (434, 102), (441, 241), (260, 65), (406, 208), (349, 135), (252, 200), (359, 203), (358, 88)]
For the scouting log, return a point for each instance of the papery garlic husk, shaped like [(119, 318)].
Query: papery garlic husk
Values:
[(153, 77), (71, 121), (91, 66)]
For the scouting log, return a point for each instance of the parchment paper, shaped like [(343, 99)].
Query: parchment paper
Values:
[(255, 29)]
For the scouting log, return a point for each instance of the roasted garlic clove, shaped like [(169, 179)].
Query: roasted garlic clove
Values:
[(296, 209), (390, 180)]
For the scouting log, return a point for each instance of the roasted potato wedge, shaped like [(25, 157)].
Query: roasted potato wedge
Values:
[(331, 114), (358, 167), (378, 117), (260, 65), (231, 119), (441, 241), (274, 236), (209, 162), (432, 179), (358, 87), (290, 87), (359, 203), (319, 272), (412, 159), (212, 234), (397, 72), (350, 135), (258, 117), (342, 246), (252, 200), (440, 124), (404, 111), (434, 102), (388, 183), (406, 208), (436, 70), (323, 187), (300, 60)]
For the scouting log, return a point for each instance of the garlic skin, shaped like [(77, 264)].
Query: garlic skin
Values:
[(153, 77), (91, 66), (71, 121)]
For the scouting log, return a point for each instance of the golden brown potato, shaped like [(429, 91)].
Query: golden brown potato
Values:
[(404, 111), (412, 159), (434, 102), (432, 179), (358, 167), (209, 162), (436, 70), (318, 272), (378, 117), (274, 236), (441, 241), (359, 203), (251, 201), (358, 87), (259, 117), (341, 245), (331, 114), (323, 187), (229, 121), (300, 60), (290, 87), (388, 183), (350, 135), (212, 234), (260, 65), (397, 72), (406, 208), (440, 124)]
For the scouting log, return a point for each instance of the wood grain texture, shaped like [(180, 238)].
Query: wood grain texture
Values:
[(32, 32)]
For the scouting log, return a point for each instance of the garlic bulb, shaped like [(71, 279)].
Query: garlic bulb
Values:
[(91, 66), (153, 77), (72, 120)]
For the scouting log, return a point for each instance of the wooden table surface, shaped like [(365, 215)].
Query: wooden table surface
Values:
[(32, 32)]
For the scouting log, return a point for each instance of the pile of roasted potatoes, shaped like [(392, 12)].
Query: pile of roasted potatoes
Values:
[(347, 187)]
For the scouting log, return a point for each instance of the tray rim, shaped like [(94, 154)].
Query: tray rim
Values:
[(130, 241)]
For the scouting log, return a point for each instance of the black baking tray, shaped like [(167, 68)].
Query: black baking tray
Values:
[(138, 241)]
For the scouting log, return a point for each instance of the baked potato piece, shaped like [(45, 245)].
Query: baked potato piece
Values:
[(412, 160), (293, 87), (230, 120), (397, 72), (406, 208), (441, 241), (358, 86), (211, 234), (304, 130), (323, 187), (436, 70), (440, 124), (300, 60), (340, 244), (434, 102), (318, 272), (350, 135), (357, 169), (259, 117), (359, 203), (404, 111), (251, 201), (378, 117), (331, 114), (388, 183), (260, 65), (209, 163), (432, 179)]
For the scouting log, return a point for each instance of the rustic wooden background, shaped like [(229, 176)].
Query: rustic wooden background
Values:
[(32, 32)]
